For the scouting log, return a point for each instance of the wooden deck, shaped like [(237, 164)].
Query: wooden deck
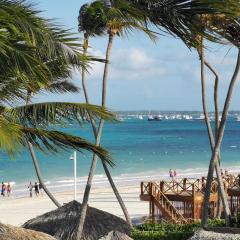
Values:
[(182, 200)]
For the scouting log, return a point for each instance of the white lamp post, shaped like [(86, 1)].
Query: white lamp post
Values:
[(74, 158)]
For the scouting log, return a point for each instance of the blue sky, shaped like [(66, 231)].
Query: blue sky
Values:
[(145, 75)]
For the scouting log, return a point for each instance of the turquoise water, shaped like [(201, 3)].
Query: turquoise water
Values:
[(139, 148)]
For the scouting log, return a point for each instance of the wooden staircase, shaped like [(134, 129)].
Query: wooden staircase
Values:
[(167, 208)]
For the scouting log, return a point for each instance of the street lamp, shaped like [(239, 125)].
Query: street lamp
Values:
[(74, 158)]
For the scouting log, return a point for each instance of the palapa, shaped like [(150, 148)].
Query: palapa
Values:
[(115, 235), (8, 232), (63, 222)]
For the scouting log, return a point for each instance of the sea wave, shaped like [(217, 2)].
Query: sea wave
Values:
[(101, 180)]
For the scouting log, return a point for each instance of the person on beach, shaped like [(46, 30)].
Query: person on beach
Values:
[(3, 189), (40, 188), (226, 172), (9, 189), (174, 173), (171, 173), (30, 187), (36, 189)]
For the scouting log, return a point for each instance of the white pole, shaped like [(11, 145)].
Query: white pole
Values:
[(75, 175)]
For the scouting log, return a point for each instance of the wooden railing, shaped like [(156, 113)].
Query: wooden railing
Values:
[(185, 186), (165, 204)]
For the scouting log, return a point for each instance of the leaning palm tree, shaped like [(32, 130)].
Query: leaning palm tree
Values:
[(115, 19), (32, 52)]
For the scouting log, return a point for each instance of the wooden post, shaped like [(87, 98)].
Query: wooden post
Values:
[(141, 188), (194, 204), (185, 184), (153, 210), (162, 186)]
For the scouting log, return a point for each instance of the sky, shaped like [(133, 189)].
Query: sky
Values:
[(145, 75)]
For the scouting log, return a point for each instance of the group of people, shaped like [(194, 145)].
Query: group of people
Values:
[(37, 189), (224, 173), (172, 173), (6, 189)]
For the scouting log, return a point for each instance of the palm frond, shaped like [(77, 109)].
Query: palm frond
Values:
[(44, 114), (178, 18), (61, 87), (54, 140)]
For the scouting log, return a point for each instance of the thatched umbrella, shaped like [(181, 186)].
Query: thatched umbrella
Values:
[(115, 235), (62, 223), (8, 232)]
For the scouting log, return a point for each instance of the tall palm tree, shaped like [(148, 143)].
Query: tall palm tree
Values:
[(182, 26), (91, 26), (118, 17), (212, 141), (229, 29)]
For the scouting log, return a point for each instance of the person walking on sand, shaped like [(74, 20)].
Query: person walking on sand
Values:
[(40, 188), (9, 189), (3, 189), (174, 173), (171, 173), (36, 189), (30, 187)]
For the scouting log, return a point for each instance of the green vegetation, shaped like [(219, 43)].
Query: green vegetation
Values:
[(168, 231)]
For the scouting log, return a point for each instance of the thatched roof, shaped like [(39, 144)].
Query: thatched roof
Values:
[(208, 235), (62, 223), (8, 232), (115, 235)]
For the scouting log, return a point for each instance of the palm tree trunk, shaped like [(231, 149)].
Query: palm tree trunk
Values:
[(211, 137), (219, 204), (39, 175), (94, 160), (215, 153), (105, 167), (36, 165)]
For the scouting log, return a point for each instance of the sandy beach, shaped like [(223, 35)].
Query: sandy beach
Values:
[(16, 211)]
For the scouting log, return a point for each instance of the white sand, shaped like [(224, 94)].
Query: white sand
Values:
[(16, 211)]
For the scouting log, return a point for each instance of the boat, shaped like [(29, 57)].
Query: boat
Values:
[(140, 117), (187, 117), (154, 118)]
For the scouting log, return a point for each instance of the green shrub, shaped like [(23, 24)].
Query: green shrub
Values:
[(238, 217), (169, 231), (160, 235), (216, 222)]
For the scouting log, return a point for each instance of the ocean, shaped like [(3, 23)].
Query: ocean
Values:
[(141, 149)]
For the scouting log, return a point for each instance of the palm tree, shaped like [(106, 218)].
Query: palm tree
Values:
[(32, 52), (91, 26), (183, 26), (211, 139), (115, 18), (229, 29)]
